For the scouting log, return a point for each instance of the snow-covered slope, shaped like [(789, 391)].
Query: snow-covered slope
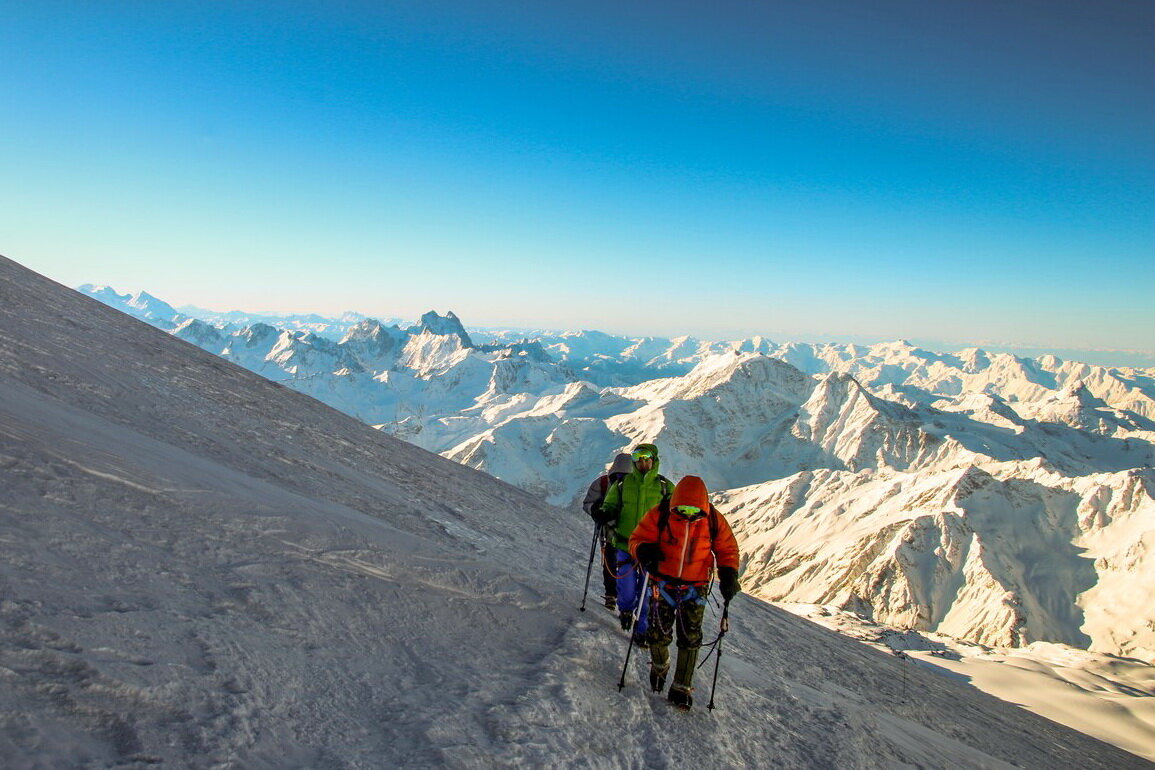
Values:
[(999, 522), (912, 486), (1002, 554), (201, 568)]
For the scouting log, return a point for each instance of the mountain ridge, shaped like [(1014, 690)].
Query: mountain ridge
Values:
[(547, 414)]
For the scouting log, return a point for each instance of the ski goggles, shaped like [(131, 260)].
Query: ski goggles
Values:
[(643, 454), (689, 511)]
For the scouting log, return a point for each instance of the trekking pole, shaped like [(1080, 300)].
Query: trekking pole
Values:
[(590, 566), (725, 626), (633, 629)]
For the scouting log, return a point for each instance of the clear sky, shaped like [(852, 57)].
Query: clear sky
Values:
[(959, 170)]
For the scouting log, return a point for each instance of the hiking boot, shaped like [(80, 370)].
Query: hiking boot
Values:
[(611, 602), (658, 678), (626, 619), (640, 641), (680, 697)]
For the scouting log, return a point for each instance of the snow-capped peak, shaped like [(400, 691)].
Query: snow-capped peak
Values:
[(446, 325)]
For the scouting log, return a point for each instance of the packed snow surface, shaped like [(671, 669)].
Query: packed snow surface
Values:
[(201, 568)]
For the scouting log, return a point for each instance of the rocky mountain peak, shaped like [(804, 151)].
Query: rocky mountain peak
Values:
[(446, 325)]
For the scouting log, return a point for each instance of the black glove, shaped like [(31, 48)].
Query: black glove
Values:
[(649, 554), (601, 516), (727, 581)]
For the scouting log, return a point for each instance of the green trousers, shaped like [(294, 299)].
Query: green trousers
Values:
[(686, 619)]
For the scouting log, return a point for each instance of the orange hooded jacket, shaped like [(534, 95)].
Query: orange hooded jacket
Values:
[(687, 550)]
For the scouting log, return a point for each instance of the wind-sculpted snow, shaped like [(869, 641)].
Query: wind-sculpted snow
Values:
[(1057, 440), (199, 568)]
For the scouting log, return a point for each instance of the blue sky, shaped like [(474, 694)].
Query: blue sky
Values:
[(963, 172)]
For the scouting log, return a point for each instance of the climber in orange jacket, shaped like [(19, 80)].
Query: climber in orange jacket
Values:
[(678, 542)]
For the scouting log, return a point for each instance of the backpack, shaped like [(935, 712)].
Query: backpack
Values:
[(604, 484)]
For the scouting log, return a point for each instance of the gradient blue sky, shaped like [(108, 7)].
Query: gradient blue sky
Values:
[(964, 171)]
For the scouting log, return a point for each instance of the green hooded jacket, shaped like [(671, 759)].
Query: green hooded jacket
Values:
[(631, 498)]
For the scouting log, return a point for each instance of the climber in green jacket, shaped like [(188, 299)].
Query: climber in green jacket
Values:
[(626, 502)]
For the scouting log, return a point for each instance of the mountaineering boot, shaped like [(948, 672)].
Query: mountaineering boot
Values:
[(640, 641), (611, 601), (626, 619), (680, 697), (658, 678)]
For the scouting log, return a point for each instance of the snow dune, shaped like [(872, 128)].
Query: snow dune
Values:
[(200, 568)]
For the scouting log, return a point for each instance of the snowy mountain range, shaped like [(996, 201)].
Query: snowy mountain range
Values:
[(997, 499), (201, 568)]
